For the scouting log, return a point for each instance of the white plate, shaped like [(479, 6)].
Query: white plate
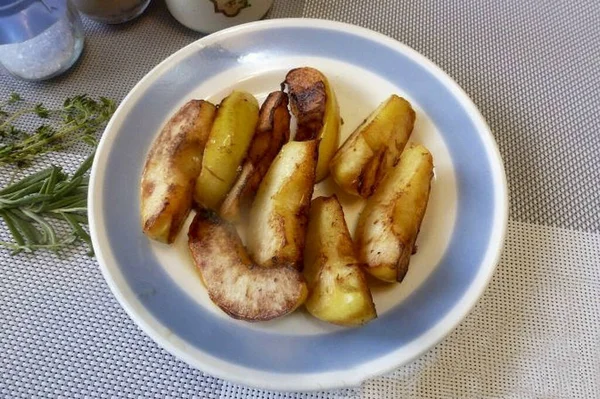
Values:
[(459, 243)]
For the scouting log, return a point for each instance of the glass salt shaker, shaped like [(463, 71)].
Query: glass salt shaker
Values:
[(39, 39)]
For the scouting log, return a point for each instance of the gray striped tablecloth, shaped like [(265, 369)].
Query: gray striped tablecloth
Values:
[(533, 69)]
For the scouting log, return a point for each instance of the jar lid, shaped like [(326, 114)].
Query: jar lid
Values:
[(21, 20)]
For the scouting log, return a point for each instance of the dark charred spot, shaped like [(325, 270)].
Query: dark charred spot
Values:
[(208, 215), (148, 188)]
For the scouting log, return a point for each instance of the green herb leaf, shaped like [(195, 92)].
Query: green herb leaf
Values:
[(79, 120), (14, 98), (41, 111)]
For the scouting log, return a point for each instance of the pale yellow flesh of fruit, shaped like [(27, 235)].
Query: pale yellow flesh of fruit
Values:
[(230, 137), (279, 214), (171, 169), (235, 284), (314, 104), (272, 132), (390, 222), (338, 291), (374, 147)]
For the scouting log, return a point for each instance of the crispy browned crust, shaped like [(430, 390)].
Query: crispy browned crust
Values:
[(272, 132), (235, 284), (411, 249), (178, 207), (392, 248), (183, 153), (371, 174), (308, 100), (374, 147), (269, 118)]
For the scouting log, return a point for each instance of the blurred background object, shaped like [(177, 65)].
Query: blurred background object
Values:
[(39, 39), (111, 11), (209, 16)]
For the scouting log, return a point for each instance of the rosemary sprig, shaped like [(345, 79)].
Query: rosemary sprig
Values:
[(31, 206), (77, 121)]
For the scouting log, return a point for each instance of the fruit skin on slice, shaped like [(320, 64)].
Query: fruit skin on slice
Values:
[(314, 104), (338, 290), (374, 147), (389, 224), (230, 137), (235, 284)]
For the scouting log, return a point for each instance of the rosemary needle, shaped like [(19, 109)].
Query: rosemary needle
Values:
[(32, 206)]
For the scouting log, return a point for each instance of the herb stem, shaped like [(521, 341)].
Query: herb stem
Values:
[(16, 116), (78, 121)]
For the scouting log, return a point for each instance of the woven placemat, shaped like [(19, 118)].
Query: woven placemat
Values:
[(532, 69)]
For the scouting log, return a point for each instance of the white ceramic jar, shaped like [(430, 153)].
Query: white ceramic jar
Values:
[(209, 16)]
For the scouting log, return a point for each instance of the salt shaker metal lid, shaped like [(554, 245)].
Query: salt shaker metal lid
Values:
[(21, 20)]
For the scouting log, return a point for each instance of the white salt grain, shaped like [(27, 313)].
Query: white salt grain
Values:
[(47, 54)]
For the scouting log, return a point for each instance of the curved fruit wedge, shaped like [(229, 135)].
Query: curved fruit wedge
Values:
[(338, 290), (313, 103), (388, 226), (374, 147), (240, 288), (272, 132), (227, 145), (278, 216), (171, 168)]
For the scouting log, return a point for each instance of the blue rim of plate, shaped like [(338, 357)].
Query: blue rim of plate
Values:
[(270, 360)]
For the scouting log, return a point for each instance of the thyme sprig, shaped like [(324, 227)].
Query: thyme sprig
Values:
[(78, 120)]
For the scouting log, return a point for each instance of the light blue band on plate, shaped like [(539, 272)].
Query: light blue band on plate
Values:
[(299, 354)]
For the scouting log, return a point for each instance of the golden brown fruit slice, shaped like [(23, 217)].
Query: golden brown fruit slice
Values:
[(272, 132), (388, 226), (315, 107), (338, 290), (240, 288), (227, 145), (171, 168), (279, 213), (374, 147)]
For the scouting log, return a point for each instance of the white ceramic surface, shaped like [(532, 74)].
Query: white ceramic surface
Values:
[(459, 244), (209, 16)]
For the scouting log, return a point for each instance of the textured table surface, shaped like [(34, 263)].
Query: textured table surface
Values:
[(533, 69)]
